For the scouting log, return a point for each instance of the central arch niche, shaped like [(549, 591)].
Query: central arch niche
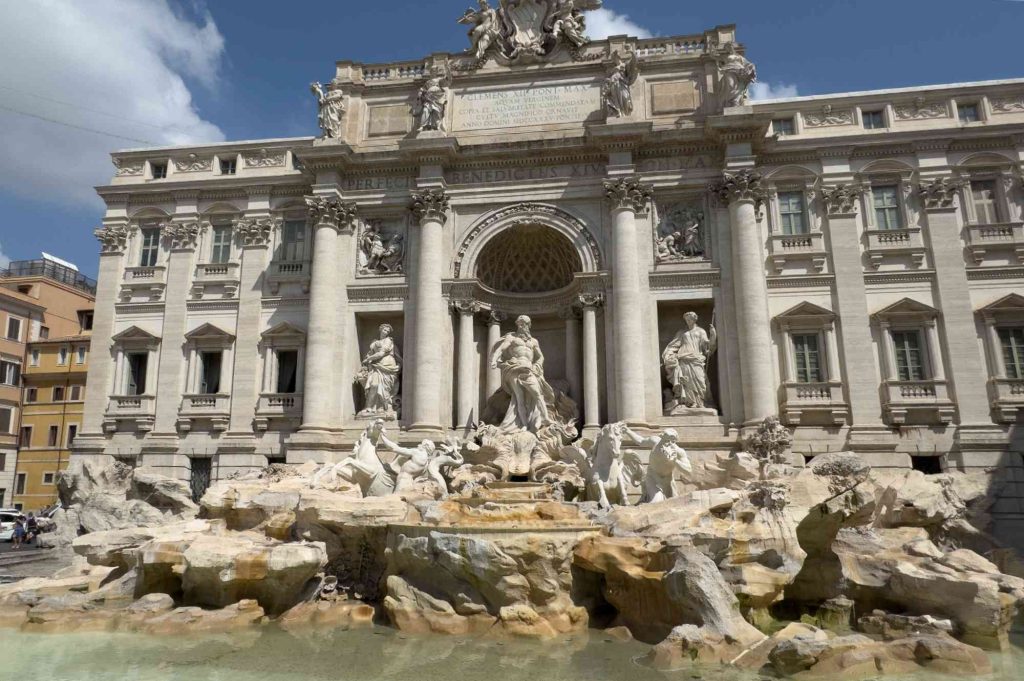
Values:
[(528, 258)]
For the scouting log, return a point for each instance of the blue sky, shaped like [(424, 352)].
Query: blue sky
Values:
[(177, 71)]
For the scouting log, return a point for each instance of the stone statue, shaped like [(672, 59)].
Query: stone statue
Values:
[(379, 254), (607, 470), (519, 357), (410, 464), (432, 102), (393, 257), (681, 235), (363, 467), (737, 75), (569, 21), (686, 359), (666, 459), (486, 29), (446, 457), (379, 376), (331, 111), (617, 88)]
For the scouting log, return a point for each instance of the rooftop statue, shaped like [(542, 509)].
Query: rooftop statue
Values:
[(527, 30), (737, 75), (331, 111), (617, 88)]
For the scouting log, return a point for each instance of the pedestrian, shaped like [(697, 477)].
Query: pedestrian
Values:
[(31, 529), (19, 534)]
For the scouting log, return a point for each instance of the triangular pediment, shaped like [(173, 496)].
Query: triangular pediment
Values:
[(284, 330), (907, 306), (208, 332), (805, 310), (1011, 303), (134, 333)]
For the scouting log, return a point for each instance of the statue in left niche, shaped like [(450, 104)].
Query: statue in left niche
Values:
[(379, 377), (331, 110), (432, 101)]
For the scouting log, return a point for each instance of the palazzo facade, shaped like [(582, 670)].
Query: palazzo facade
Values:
[(859, 256)]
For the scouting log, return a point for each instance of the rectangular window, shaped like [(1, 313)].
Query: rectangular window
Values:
[(968, 113), (983, 193), (72, 434), (221, 249), (873, 120), (150, 247), (159, 170), (1012, 341), (137, 365), (293, 242), (10, 372), (58, 393), (909, 362), (228, 166), (53, 436), (80, 354), (3, 467), (808, 358), (85, 320), (44, 332), (287, 372), (6, 420), (887, 207), (791, 210), (209, 369), (19, 484), (25, 437), (13, 329), (31, 395), (76, 393), (783, 127), (62, 357), (34, 361), (48, 478)]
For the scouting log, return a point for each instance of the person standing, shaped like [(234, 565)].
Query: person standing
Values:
[(19, 534), (31, 529)]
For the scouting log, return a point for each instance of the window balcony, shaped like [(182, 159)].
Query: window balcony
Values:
[(289, 273), (273, 406), (1009, 399), (144, 281), (787, 249), (1006, 238), (928, 401), (213, 408), (213, 276), (907, 244), (137, 410), (804, 401)]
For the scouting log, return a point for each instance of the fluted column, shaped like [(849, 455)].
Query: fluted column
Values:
[(627, 196), (572, 352), (320, 407), (469, 366), (743, 193), (430, 208), (494, 320), (591, 380)]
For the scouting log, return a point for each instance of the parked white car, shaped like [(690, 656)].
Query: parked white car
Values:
[(7, 518)]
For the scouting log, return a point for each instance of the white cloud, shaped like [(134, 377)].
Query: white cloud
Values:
[(121, 64), (772, 91), (602, 23)]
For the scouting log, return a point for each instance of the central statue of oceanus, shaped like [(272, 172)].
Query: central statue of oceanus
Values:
[(527, 30)]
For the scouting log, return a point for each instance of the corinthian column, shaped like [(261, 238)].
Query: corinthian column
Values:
[(469, 367), (628, 196), (743, 193), (591, 380), (330, 217), (430, 207), (494, 320)]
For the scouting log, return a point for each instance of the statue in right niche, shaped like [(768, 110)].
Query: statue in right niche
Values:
[(686, 367)]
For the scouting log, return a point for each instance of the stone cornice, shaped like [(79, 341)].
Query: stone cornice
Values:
[(994, 273), (702, 279), (904, 277), (802, 281), (378, 293)]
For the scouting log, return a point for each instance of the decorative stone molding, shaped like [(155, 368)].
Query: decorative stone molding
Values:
[(629, 193), (323, 211), (745, 185), (589, 299), (1007, 105), (526, 33), (828, 118), (921, 109), (255, 232), (128, 169), (430, 204), (841, 199), (940, 193), (113, 238), (265, 159), (192, 164), (182, 235)]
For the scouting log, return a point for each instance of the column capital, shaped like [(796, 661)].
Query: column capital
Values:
[(592, 300), (182, 236), (939, 193), (255, 232), (744, 185), (629, 193), (332, 212), (430, 204), (466, 306), (113, 238), (496, 317), (841, 199)]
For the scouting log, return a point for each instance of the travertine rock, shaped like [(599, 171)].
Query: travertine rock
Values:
[(116, 548), (196, 621), (161, 492), (332, 615)]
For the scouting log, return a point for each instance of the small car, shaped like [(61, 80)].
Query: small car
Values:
[(7, 518)]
